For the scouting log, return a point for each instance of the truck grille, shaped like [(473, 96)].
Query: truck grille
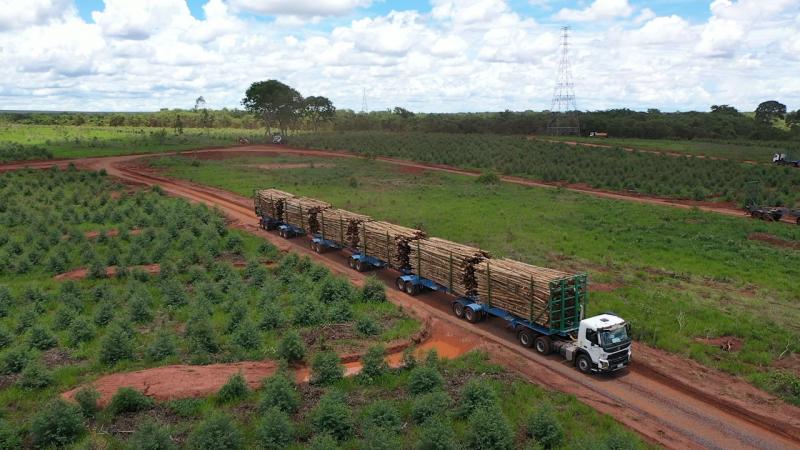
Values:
[(618, 357)]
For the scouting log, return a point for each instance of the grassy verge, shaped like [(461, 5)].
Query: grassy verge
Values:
[(677, 275)]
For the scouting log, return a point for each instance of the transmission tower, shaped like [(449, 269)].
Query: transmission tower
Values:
[(364, 101), (563, 111)]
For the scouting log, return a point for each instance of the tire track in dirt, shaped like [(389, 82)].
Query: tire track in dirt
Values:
[(667, 399)]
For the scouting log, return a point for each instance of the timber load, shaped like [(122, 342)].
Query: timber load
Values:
[(388, 242), (271, 203), (449, 264), (531, 292), (303, 212), (342, 226)]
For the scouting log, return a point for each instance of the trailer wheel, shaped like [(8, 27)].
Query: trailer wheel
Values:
[(544, 345), (360, 266), (525, 337), (411, 288), (401, 285), (351, 262), (583, 363), (798, 220), (458, 310), (471, 315)]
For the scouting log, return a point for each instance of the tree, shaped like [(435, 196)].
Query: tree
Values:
[(178, 125), (273, 102), (793, 120), (768, 111), (200, 102), (56, 425), (402, 112), (724, 109), (219, 431), (319, 109)]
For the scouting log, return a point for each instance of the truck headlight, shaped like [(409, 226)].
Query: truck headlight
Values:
[(603, 364)]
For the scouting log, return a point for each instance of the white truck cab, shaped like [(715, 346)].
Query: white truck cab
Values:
[(602, 344)]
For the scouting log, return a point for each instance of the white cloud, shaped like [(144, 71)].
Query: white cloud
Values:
[(141, 19), (598, 10), (664, 30), (16, 14), (300, 7)]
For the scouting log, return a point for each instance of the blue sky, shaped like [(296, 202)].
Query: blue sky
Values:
[(425, 55)]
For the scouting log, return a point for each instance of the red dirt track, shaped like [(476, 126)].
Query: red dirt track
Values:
[(669, 400)]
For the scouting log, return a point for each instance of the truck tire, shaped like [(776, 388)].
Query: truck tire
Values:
[(583, 363), (400, 284), (525, 337), (411, 288), (458, 309), (471, 315), (544, 345)]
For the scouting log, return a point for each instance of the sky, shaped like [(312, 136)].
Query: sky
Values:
[(423, 55)]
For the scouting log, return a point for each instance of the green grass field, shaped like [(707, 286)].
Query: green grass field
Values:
[(87, 141), (679, 275)]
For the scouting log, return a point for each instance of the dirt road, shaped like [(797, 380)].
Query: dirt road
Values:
[(667, 399)]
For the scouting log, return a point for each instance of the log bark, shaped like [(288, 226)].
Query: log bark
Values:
[(448, 263), (388, 242), (303, 212), (271, 202), (342, 226)]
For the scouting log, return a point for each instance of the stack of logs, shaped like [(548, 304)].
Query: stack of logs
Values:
[(448, 263), (342, 226), (271, 202), (389, 242), (519, 288), (303, 212)]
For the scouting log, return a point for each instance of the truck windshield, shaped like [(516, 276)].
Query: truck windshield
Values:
[(612, 337)]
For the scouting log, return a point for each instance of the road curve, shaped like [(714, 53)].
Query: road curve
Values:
[(700, 408)]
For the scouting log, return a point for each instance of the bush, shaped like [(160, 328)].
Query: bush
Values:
[(340, 312), (162, 347), (326, 368), (5, 338), (332, 415), (104, 314), (57, 425), (6, 301), (9, 437), (79, 331), (41, 339), (291, 347), (488, 429), (543, 426), (87, 398), (139, 309), (384, 415), (323, 442), (174, 294), (116, 346), (335, 289), (373, 290), (308, 313), (476, 395), (367, 326), (424, 379), (201, 335), (279, 391), (247, 336), (216, 432), (276, 430), (373, 363), (381, 439), (14, 360), (272, 317), (437, 434), (35, 376), (127, 400), (234, 389), (488, 177), (151, 436), (409, 360), (430, 405)]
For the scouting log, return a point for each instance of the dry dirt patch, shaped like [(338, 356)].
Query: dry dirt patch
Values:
[(111, 271), (774, 241), (726, 343)]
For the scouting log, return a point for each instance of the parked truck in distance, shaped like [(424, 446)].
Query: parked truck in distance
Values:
[(544, 307), (783, 159)]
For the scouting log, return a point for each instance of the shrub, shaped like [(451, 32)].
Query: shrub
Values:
[(424, 379), (476, 395), (151, 436), (409, 360), (63, 318), (5, 338), (367, 326), (162, 347), (247, 336), (173, 292), (238, 313), (201, 335), (291, 347), (104, 314), (79, 331), (139, 309), (308, 313), (335, 289), (332, 415), (116, 346), (543, 426), (41, 339), (35, 376), (272, 317), (234, 389), (373, 363), (382, 414), (57, 425), (340, 312), (87, 398), (432, 358), (488, 429), (97, 270), (488, 177), (216, 432), (127, 400), (6, 301), (430, 405), (323, 442), (9, 437), (14, 360), (276, 430), (382, 439), (373, 290), (437, 434), (326, 368), (279, 391)]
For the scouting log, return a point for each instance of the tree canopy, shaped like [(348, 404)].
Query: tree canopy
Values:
[(767, 112)]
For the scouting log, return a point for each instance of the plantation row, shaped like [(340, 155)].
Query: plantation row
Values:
[(614, 169), (11, 151), (199, 308)]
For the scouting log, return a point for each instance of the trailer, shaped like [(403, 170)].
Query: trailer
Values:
[(784, 159)]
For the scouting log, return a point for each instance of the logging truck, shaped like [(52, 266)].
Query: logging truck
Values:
[(544, 307)]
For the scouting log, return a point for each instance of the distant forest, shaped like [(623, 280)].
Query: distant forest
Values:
[(723, 122)]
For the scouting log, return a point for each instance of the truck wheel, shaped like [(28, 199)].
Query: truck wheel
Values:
[(458, 310), (401, 285), (471, 315), (411, 288), (583, 363), (525, 337), (544, 345)]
